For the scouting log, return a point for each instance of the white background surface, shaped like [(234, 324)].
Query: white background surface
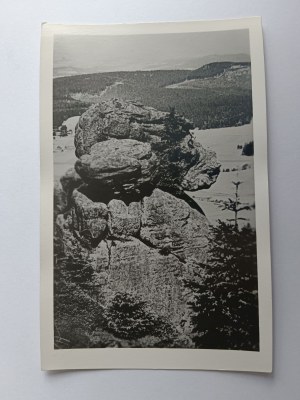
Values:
[(20, 375)]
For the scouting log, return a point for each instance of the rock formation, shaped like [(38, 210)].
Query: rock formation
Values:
[(140, 145), (124, 209)]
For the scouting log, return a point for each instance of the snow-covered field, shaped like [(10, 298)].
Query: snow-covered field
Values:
[(63, 155), (71, 123), (64, 149), (234, 167)]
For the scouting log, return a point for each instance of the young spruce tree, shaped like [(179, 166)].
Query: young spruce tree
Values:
[(225, 293)]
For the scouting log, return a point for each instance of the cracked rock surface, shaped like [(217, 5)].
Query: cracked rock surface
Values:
[(124, 209), (117, 164), (128, 143)]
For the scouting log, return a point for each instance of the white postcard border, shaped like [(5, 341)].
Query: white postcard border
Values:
[(147, 358)]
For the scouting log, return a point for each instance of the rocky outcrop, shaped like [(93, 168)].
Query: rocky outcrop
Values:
[(126, 142), (124, 208), (89, 218), (133, 267), (171, 225), (203, 174), (124, 221), (120, 120), (118, 164), (147, 247)]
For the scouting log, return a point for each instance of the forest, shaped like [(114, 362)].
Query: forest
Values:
[(208, 107)]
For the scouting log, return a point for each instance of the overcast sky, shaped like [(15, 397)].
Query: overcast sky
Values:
[(74, 54)]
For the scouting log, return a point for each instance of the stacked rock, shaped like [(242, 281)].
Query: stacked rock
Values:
[(124, 207)]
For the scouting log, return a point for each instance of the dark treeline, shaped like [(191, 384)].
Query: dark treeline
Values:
[(248, 149)]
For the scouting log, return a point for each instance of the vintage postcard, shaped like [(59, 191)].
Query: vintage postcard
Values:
[(155, 249)]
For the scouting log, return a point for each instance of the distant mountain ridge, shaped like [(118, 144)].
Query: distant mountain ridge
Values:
[(220, 76), (172, 64), (214, 69), (198, 62)]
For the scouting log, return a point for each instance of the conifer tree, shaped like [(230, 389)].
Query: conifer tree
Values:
[(127, 317), (225, 290), (225, 297)]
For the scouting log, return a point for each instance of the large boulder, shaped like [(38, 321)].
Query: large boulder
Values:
[(171, 225), (89, 218), (118, 164), (123, 220), (149, 248), (122, 141), (117, 119), (123, 209), (204, 173)]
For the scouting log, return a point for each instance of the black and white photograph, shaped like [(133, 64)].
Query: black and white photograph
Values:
[(155, 228)]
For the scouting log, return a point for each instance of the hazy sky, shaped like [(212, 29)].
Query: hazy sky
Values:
[(133, 52)]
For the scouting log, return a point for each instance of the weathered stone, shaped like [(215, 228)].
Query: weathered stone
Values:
[(176, 161), (132, 266), (70, 181), (170, 224), (127, 213), (102, 256), (88, 218), (117, 163), (151, 260), (124, 221), (203, 174), (115, 119)]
